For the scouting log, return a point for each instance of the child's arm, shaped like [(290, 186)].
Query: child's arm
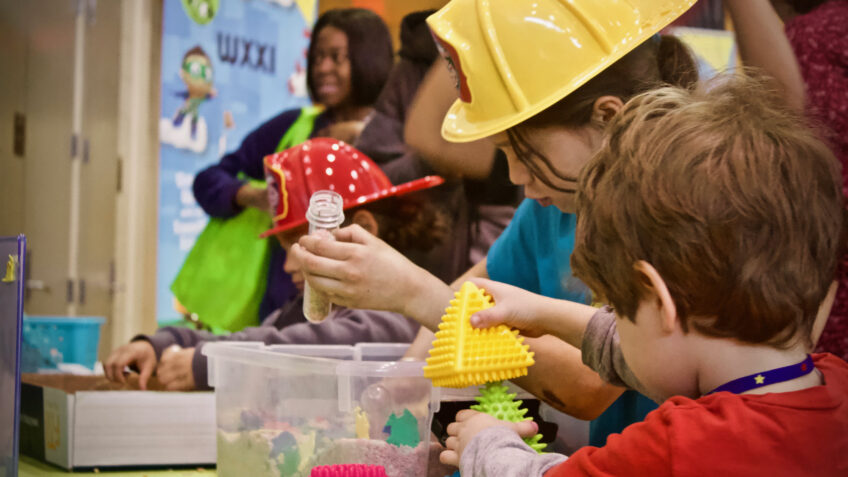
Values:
[(423, 130), (139, 354), (532, 314), (147, 353), (218, 189), (763, 44), (558, 357), (602, 352), (483, 446), (358, 270), (591, 330)]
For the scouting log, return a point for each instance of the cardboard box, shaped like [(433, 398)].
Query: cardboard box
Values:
[(87, 421)]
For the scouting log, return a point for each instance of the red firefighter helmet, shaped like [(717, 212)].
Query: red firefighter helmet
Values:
[(326, 164)]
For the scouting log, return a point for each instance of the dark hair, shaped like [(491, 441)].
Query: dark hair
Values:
[(369, 49), (805, 6), (729, 195), (662, 60), (196, 51), (409, 222)]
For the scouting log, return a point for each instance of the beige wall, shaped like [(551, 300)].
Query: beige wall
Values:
[(60, 73), (138, 147)]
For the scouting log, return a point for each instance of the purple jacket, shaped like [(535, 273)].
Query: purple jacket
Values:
[(344, 326), (216, 186)]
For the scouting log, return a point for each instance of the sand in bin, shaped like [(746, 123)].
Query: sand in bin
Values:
[(399, 461), (252, 453)]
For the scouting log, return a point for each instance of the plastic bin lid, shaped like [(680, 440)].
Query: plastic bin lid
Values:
[(285, 356), (321, 351), (370, 351), (262, 356), (64, 320)]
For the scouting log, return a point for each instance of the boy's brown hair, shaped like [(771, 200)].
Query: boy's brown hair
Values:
[(729, 195)]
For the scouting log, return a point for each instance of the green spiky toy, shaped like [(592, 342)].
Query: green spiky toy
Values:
[(495, 401)]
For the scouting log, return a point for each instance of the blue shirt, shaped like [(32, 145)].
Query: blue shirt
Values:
[(534, 253)]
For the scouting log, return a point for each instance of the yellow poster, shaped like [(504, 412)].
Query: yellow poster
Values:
[(715, 50)]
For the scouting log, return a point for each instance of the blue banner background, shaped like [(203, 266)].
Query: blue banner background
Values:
[(252, 91)]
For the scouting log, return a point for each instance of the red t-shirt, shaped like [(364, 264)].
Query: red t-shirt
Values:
[(800, 433)]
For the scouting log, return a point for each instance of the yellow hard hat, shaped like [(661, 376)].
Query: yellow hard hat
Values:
[(515, 58)]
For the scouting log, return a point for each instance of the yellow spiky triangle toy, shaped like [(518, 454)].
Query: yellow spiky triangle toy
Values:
[(464, 356)]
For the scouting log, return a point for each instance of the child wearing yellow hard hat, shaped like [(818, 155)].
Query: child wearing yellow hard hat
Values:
[(543, 79)]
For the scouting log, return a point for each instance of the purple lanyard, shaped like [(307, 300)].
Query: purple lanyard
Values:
[(774, 376)]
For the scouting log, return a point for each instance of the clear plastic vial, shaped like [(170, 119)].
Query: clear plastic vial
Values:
[(325, 214)]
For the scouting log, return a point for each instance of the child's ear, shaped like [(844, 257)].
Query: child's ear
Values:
[(605, 108), (367, 221), (654, 281)]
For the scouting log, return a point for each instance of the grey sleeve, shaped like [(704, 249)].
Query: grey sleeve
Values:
[(601, 351), (171, 335), (343, 326), (499, 452)]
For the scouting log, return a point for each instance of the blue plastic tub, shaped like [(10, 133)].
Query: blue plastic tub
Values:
[(52, 340)]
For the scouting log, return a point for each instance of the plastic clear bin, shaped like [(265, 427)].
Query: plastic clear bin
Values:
[(52, 340), (380, 351), (281, 410)]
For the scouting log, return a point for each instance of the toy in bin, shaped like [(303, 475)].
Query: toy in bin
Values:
[(349, 470), (496, 400), (464, 356)]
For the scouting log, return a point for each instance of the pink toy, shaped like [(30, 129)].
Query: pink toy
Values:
[(349, 470)]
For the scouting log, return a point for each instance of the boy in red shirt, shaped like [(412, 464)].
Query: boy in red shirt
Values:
[(711, 222)]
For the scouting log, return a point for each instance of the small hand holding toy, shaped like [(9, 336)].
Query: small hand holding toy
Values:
[(465, 356), (468, 424), (496, 401)]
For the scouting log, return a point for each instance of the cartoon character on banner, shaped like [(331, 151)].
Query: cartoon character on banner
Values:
[(201, 11), (187, 129)]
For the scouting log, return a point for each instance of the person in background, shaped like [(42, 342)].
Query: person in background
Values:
[(348, 61), (714, 311), (481, 166), (818, 33), (480, 202), (546, 152), (400, 215)]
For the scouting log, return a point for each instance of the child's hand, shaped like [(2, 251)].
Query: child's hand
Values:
[(139, 354), (513, 307), (174, 370), (347, 131), (358, 270), (470, 423), (250, 196)]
